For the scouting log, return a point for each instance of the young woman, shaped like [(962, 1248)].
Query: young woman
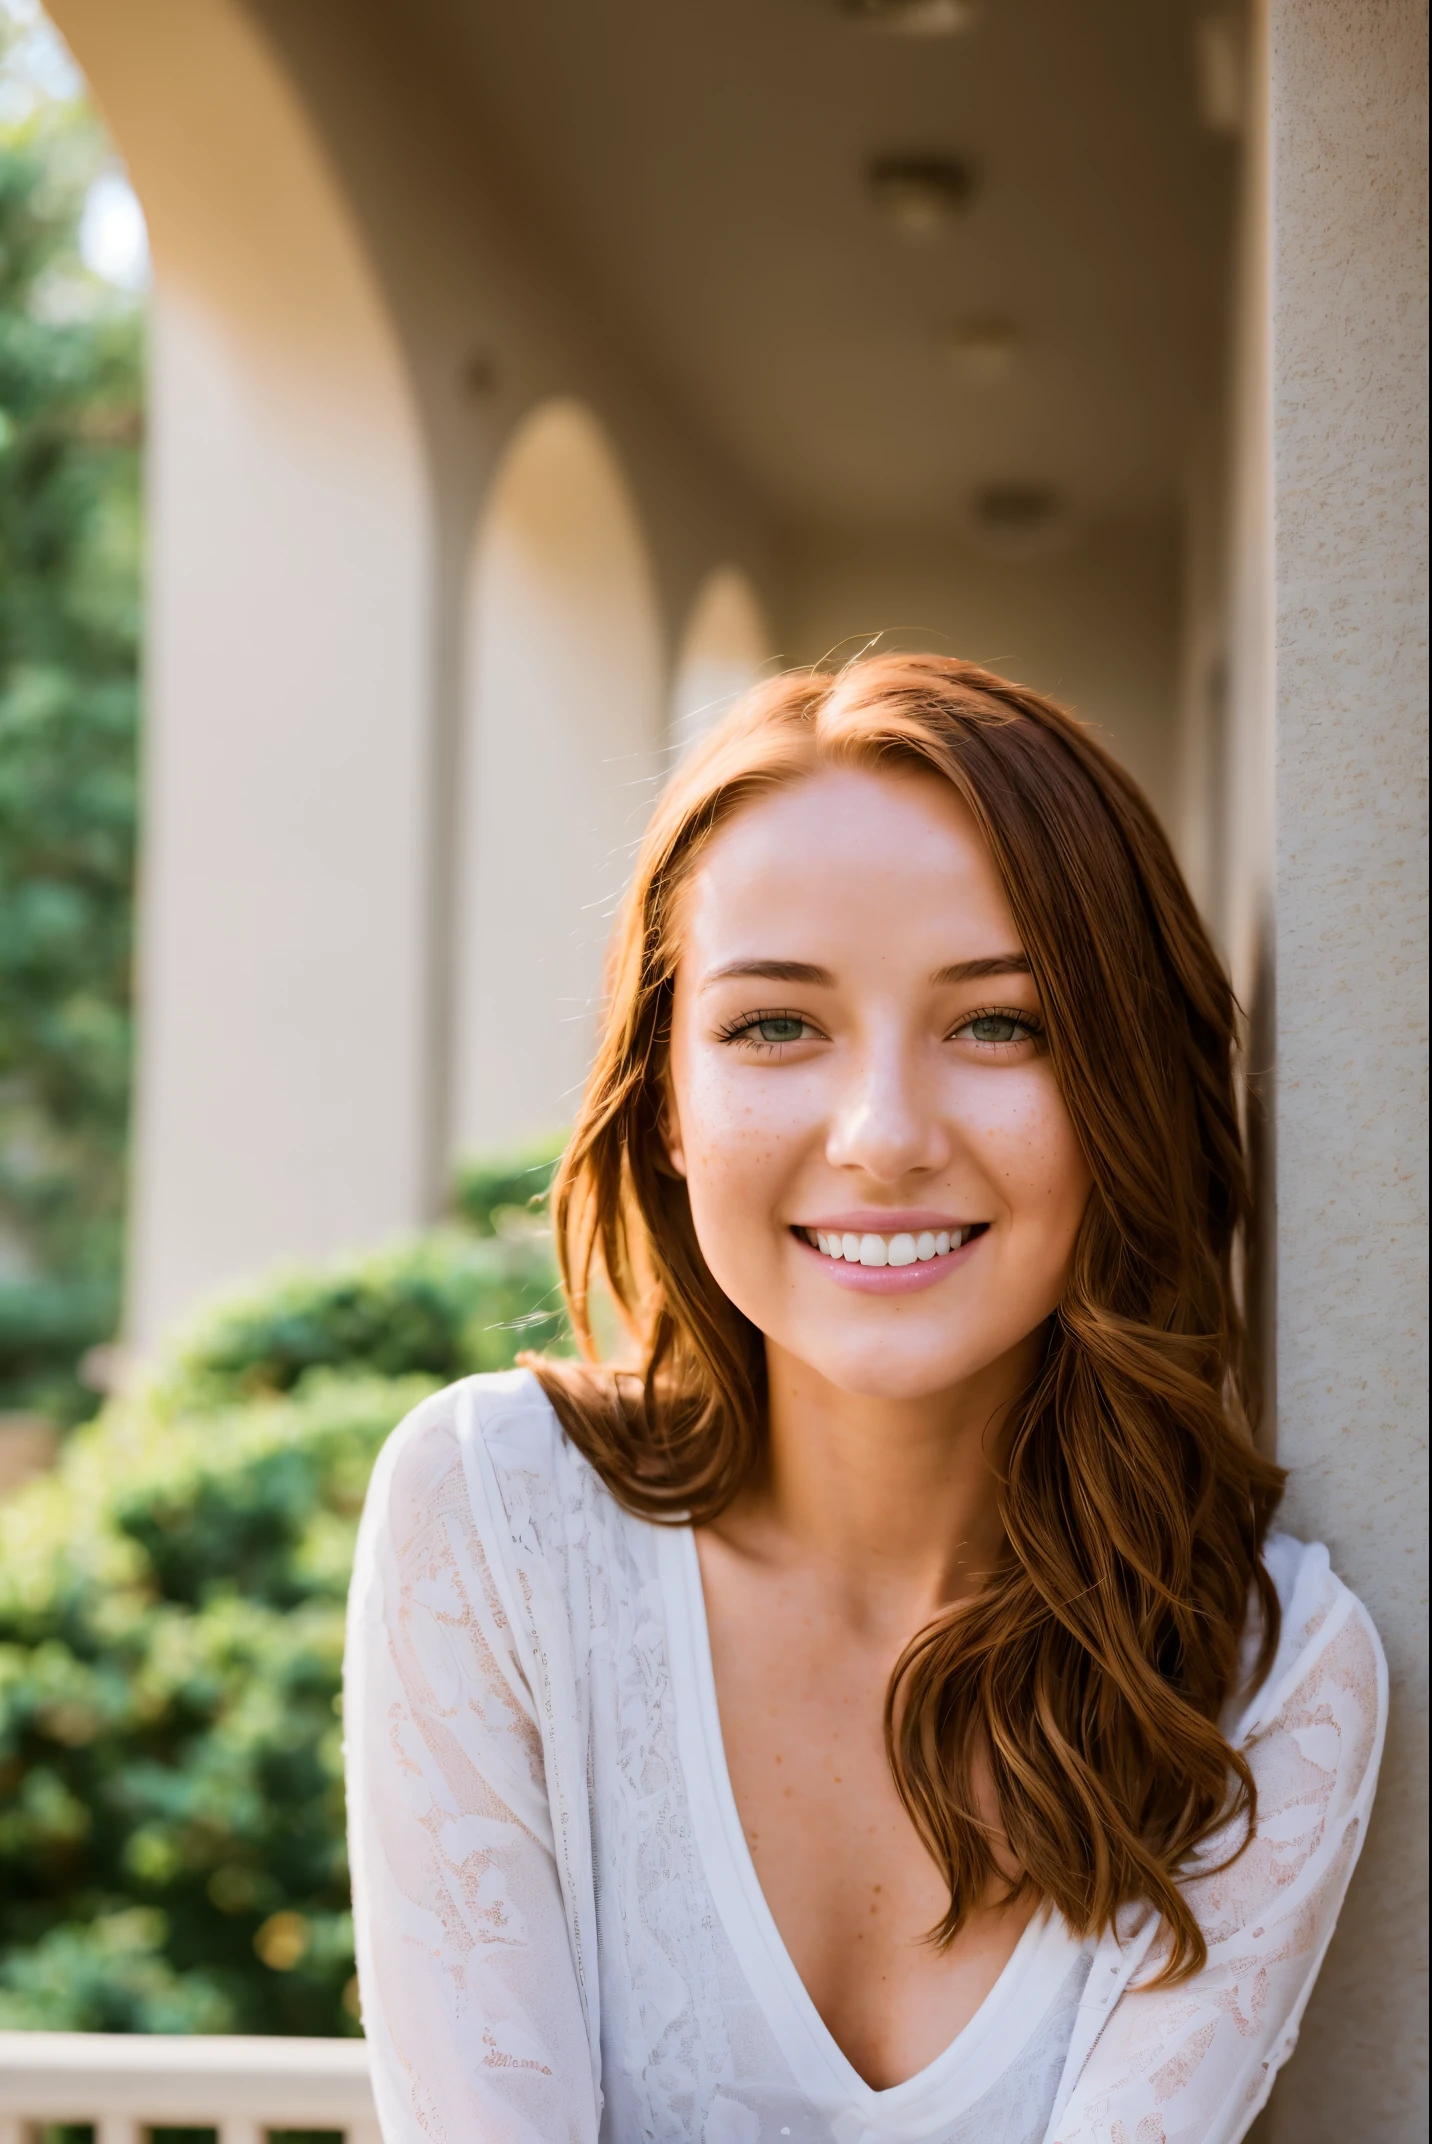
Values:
[(874, 1708)]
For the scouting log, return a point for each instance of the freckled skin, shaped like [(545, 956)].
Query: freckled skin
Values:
[(876, 1508)]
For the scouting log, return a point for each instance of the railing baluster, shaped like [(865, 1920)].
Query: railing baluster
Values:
[(119, 2129), (240, 2129)]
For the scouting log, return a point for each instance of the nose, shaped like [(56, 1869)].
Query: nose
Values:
[(887, 1121)]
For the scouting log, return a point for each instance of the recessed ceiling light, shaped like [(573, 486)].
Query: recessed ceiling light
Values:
[(920, 194), (982, 350), (1221, 53), (916, 18), (1018, 520)]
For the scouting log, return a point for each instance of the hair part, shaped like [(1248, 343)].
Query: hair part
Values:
[(1084, 1682)]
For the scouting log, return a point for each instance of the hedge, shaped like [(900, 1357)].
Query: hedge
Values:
[(171, 1617)]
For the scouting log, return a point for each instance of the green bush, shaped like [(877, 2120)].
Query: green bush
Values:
[(495, 1195), (446, 1305), (171, 1620)]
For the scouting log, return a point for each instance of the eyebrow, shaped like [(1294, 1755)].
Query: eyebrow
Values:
[(773, 971), (971, 971), (804, 971)]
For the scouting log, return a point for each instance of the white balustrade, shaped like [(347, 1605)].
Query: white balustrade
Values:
[(126, 2084)]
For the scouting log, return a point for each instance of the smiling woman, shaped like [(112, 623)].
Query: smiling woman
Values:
[(874, 1707)]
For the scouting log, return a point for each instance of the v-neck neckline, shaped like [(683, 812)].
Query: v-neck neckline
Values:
[(984, 2048)]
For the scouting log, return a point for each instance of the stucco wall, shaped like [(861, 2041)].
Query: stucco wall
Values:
[(1348, 207)]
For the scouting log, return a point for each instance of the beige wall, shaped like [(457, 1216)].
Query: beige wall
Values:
[(1095, 623), (1349, 294)]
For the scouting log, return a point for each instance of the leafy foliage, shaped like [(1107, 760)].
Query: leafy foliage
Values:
[(446, 1305), (70, 423), (171, 1615), (496, 1195)]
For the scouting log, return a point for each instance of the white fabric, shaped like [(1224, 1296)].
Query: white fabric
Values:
[(560, 1932)]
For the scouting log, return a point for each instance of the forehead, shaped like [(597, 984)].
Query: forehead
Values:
[(850, 855)]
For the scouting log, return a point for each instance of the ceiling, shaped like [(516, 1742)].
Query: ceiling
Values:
[(704, 161)]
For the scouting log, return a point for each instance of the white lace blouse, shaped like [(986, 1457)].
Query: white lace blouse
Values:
[(560, 1931)]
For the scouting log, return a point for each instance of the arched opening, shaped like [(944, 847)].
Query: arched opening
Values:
[(723, 648), (562, 735)]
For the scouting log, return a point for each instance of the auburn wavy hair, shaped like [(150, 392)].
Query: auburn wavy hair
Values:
[(1084, 1682)]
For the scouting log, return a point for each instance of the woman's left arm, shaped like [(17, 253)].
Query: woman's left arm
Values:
[(1198, 2059)]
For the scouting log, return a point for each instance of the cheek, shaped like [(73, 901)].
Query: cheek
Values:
[(1033, 1156), (730, 1148), (734, 1122)]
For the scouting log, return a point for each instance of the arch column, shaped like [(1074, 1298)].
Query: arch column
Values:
[(284, 930), (724, 645), (562, 733)]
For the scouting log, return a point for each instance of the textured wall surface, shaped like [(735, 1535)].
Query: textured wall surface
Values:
[(1348, 105)]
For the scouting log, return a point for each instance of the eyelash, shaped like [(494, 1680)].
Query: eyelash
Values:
[(745, 1023), (1031, 1023)]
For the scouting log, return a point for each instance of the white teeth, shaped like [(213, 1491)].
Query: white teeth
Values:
[(902, 1249)]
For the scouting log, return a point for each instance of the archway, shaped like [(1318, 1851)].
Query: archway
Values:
[(723, 648), (562, 734), (282, 1092)]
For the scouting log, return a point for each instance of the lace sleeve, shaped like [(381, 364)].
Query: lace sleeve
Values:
[(470, 1997), (1197, 2061)]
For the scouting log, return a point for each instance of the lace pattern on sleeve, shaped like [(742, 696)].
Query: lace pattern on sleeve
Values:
[(1194, 2063), (470, 1997)]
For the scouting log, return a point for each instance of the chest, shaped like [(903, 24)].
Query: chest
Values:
[(846, 1877), (701, 1999)]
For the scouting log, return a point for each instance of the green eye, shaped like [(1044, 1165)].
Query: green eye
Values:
[(996, 1027), (769, 1030)]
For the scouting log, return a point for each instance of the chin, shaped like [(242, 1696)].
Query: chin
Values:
[(889, 1369)]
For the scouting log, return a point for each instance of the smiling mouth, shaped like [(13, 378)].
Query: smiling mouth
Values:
[(901, 1249)]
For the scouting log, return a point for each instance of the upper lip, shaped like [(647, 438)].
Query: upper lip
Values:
[(887, 1221)]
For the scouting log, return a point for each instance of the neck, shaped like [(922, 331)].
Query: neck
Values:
[(893, 1503)]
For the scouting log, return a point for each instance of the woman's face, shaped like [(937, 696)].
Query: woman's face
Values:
[(883, 1174)]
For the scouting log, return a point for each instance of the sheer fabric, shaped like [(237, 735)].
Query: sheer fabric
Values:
[(560, 1936)]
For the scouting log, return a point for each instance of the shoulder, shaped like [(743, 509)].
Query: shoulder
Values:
[(503, 1418), (1329, 1669), (494, 1446)]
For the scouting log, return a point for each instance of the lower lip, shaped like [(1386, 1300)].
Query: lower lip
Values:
[(891, 1280)]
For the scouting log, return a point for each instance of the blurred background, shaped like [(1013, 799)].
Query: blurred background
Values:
[(508, 389)]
